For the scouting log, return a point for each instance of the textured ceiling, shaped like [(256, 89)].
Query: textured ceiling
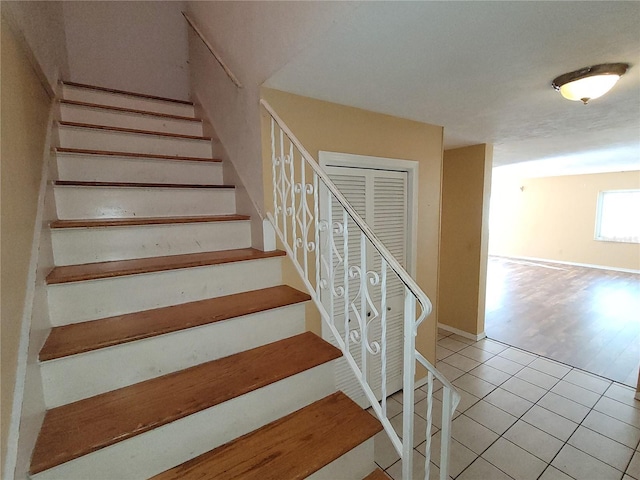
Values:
[(483, 71)]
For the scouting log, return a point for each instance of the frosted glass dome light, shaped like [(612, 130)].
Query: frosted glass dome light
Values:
[(590, 82)]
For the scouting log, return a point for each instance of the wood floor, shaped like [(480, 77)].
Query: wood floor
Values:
[(584, 317)]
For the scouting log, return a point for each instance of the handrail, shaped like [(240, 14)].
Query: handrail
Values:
[(305, 234), (404, 276), (226, 69)]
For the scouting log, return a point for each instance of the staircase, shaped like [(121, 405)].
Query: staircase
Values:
[(176, 352)]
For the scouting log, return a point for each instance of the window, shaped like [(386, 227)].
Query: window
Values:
[(618, 216)]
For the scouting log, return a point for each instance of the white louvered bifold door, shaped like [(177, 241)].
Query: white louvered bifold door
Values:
[(380, 197)]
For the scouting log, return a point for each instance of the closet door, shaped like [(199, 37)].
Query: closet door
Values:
[(380, 197)]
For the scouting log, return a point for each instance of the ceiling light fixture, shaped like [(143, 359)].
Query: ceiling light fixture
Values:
[(589, 82)]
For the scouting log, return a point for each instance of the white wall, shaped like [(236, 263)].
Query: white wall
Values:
[(134, 46), (254, 39)]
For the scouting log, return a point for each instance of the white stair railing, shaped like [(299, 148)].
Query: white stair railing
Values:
[(350, 275)]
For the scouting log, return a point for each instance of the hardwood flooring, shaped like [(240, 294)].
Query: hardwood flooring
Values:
[(583, 317)]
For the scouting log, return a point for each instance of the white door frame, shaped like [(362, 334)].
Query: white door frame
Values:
[(336, 159)]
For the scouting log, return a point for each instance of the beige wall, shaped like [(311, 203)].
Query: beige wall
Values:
[(554, 218), (466, 184), (134, 46), (24, 112), (327, 126), (40, 26)]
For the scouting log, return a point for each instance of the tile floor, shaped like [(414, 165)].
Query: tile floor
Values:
[(522, 417)]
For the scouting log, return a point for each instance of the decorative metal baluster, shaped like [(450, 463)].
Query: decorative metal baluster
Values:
[(409, 369), (364, 340), (316, 223), (291, 211), (330, 253), (445, 435), (345, 236), (429, 424), (274, 177), (383, 335), (283, 176)]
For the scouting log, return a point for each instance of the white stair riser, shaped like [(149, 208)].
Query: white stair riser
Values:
[(114, 141), (89, 300), (95, 168), (124, 202), (162, 448), (356, 464), (114, 118), (72, 246), (73, 378), (127, 101)]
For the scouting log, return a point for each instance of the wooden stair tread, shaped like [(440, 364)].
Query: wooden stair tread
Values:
[(132, 130), (85, 426), (124, 92), (128, 110), (292, 447), (106, 332), (84, 151), (94, 271), (73, 183), (126, 222), (377, 474)]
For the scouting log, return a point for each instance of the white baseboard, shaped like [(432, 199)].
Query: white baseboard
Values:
[(575, 264), (462, 333)]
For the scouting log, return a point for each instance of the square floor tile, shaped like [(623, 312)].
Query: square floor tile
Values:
[(578, 464), (460, 456), (514, 461), (471, 434), (461, 362), (504, 364), (483, 470), (449, 371), (384, 454), (550, 367), (633, 469), (474, 385), (623, 394), (621, 411), (442, 352), (490, 374), (491, 417), (466, 400), (538, 378), (395, 471), (523, 389), (462, 339), (550, 422), (418, 395), (552, 473), (563, 406), (509, 402), (603, 448), (576, 393), (588, 381), (534, 440), (452, 344), (490, 346), (615, 429), (419, 428), (476, 354), (518, 356)]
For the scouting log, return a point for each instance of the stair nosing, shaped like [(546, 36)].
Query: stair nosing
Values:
[(107, 153), (189, 260), (133, 131), (74, 183), (336, 410), (140, 394), (124, 92), (144, 221), (277, 297), (77, 103)]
